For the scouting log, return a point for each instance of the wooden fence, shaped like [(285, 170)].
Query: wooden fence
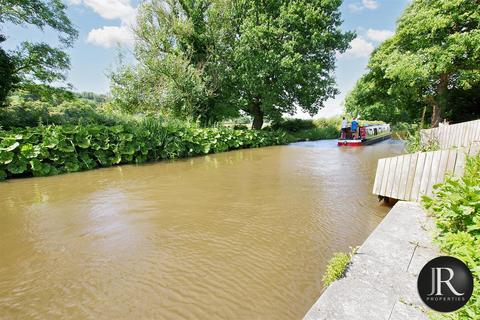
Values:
[(410, 176), (455, 135)]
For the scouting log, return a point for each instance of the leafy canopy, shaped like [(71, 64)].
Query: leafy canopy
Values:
[(42, 14), (434, 52), (31, 63), (284, 56), (210, 59)]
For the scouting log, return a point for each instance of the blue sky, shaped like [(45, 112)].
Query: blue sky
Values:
[(103, 24)]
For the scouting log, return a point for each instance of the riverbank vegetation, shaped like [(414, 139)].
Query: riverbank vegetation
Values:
[(50, 150), (456, 209), (337, 266), (428, 70)]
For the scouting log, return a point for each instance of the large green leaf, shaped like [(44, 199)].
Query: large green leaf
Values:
[(3, 174), (6, 156), (29, 151), (39, 168), (18, 165), (12, 147)]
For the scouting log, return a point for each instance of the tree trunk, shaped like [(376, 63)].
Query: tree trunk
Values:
[(257, 114), (440, 100)]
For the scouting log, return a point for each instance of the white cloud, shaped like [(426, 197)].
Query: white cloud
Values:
[(364, 4), (370, 4), (109, 36), (379, 35), (359, 48), (354, 7), (109, 9)]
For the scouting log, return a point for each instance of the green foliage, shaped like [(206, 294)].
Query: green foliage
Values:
[(456, 209), (293, 125), (27, 109), (40, 62), (284, 56), (337, 266), (182, 56), (35, 62), (8, 78), (42, 14), (433, 54), (308, 130), (414, 143), (321, 133), (207, 60), (49, 150), (372, 98)]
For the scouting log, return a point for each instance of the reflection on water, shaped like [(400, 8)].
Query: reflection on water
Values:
[(238, 235)]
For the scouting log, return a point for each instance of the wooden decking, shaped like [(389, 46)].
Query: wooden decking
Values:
[(411, 176)]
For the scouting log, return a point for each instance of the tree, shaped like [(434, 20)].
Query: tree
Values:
[(377, 97), (8, 79), (37, 62), (47, 13), (209, 59), (434, 52), (284, 56), (179, 51)]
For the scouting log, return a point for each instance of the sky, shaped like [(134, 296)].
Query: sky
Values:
[(104, 25)]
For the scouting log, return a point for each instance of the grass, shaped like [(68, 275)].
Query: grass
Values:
[(337, 267)]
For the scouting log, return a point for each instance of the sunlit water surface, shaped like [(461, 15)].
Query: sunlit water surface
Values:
[(238, 235)]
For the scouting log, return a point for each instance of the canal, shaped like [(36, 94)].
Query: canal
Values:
[(238, 235)]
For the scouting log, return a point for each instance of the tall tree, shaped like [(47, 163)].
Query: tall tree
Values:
[(37, 62), (284, 56), (435, 51), (212, 58), (179, 50)]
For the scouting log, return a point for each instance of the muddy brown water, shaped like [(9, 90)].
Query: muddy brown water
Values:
[(238, 235)]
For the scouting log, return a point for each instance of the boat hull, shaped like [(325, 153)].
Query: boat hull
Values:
[(363, 142), (349, 143)]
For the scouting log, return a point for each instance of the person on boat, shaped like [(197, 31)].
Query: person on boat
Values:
[(344, 128), (354, 128)]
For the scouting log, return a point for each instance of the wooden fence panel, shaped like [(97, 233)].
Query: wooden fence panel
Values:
[(455, 135), (383, 187), (408, 177), (404, 173), (436, 157), (411, 176), (418, 176), (377, 185), (391, 176)]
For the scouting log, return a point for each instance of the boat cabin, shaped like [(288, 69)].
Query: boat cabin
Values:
[(368, 134)]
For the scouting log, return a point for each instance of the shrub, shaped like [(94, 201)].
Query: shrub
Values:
[(33, 113), (49, 150), (293, 125), (308, 130), (456, 209), (414, 143)]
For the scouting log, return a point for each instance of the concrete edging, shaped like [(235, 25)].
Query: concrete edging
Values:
[(381, 282)]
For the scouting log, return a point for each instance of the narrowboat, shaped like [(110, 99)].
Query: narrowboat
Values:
[(365, 135)]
